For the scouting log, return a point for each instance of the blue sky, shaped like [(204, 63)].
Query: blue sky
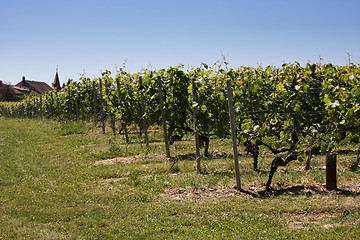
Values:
[(91, 36)]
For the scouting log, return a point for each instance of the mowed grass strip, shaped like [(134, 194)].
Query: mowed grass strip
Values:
[(51, 188)]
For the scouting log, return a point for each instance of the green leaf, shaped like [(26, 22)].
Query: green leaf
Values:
[(297, 108)]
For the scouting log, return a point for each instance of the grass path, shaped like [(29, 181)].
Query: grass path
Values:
[(50, 188)]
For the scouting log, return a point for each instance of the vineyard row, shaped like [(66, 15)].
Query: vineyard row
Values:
[(284, 109)]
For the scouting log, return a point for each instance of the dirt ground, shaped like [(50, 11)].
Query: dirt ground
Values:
[(132, 159), (295, 220), (258, 192), (246, 191)]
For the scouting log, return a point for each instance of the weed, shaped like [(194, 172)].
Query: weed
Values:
[(68, 128), (115, 150), (175, 169)]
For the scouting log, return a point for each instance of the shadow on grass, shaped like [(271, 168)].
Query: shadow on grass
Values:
[(299, 190), (192, 156)]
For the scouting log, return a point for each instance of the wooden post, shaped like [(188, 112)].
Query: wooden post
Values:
[(22, 111), (197, 141), (143, 111), (166, 139), (38, 107), (102, 108), (112, 120), (308, 160), (358, 155), (233, 133), (41, 110), (77, 108), (69, 103), (28, 109), (54, 105), (82, 111), (94, 97), (52, 112), (5, 111), (126, 133), (57, 106), (355, 164), (124, 124), (330, 161), (16, 112), (13, 114), (34, 110)]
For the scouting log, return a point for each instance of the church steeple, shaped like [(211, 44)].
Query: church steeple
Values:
[(56, 83)]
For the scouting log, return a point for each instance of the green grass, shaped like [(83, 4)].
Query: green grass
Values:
[(69, 127), (50, 188)]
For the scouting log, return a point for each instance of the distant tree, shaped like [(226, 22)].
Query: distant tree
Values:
[(7, 93)]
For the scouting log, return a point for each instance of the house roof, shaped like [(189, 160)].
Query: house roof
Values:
[(42, 87), (36, 86), (20, 90)]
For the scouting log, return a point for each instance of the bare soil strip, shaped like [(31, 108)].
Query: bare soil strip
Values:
[(257, 192), (132, 159)]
